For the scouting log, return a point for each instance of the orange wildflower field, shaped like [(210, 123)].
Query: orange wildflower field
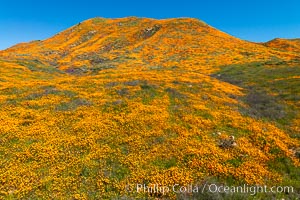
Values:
[(110, 104)]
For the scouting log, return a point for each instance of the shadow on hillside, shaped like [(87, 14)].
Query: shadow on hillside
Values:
[(270, 93)]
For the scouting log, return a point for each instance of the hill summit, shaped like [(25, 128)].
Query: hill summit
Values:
[(138, 41)]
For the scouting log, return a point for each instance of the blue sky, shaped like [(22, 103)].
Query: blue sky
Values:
[(254, 20)]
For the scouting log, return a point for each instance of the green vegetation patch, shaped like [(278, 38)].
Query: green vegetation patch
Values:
[(269, 86)]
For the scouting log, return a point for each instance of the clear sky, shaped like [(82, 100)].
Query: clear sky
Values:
[(254, 20)]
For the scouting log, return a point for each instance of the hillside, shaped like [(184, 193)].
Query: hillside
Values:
[(291, 45), (98, 42), (111, 103)]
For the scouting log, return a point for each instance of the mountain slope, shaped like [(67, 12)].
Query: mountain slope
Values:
[(111, 103), (291, 45), (172, 41)]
